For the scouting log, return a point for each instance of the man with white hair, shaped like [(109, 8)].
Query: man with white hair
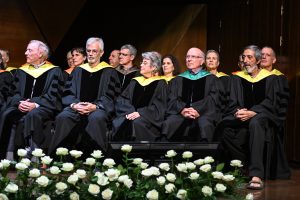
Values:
[(89, 103), (37, 98)]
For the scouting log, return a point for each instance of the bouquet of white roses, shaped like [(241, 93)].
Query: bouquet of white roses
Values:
[(101, 178)]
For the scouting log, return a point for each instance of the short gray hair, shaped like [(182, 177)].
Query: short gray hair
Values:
[(256, 49), (155, 59), (95, 39), (131, 48), (43, 47)]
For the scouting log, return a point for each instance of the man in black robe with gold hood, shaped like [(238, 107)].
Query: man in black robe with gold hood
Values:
[(192, 113), (251, 117), (36, 99), (89, 99)]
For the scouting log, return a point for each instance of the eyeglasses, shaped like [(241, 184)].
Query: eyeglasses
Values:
[(192, 57), (93, 51), (124, 54)]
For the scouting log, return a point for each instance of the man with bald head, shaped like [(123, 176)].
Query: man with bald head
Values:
[(191, 113)]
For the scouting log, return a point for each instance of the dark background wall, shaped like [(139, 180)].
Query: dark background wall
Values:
[(223, 25)]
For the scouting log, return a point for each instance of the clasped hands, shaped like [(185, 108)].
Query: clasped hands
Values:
[(244, 114), (26, 106), (132, 116), (84, 108), (190, 113)]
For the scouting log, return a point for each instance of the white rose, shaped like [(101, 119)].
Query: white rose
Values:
[(42, 181), (161, 180), (137, 161), (181, 167), (60, 186), (34, 173), (22, 152), (144, 165), (81, 173), (199, 162), (170, 154), (190, 165), (74, 196), (90, 161), (1, 166), (236, 163), (228, 178), (94, 189), (187, 154), (26, 161), (126, 148), (61, 151), (107, 194), (112, 174), (44, 197), (21, 166), (54, 170), (97, 154), (181, 194), (37, 152), (76, 154), (73, 179), (152, 195), (3, 197), (11, 188), (249, 196), (170, 188), (171, 177), (122, 178), (102, 179), (67, 167), (205, 168), (128, 183), (155, 171), (46, 160), (5, 163), (208, 159), (194, 176), (109, 162), (147, 172), (206, 190), (164, 166), (217, 175), (220, 187)]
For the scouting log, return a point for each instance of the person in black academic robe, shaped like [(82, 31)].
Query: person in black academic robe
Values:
[(141, 107), (89, 103), (6, 79), (37, 92), (279, 162), (251, 118), (126, 70), (212, 62), (192, 105)]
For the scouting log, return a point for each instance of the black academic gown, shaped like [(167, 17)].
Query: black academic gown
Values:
[(42, 86), (147, 97), (6, 79), (98, 85), (200, 92), (125, 76), (246, 140), (223, 87)]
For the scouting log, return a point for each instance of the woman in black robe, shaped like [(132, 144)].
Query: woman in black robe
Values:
[(141, 107)]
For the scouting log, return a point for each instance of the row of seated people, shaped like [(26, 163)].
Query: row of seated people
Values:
[(192, 105)]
